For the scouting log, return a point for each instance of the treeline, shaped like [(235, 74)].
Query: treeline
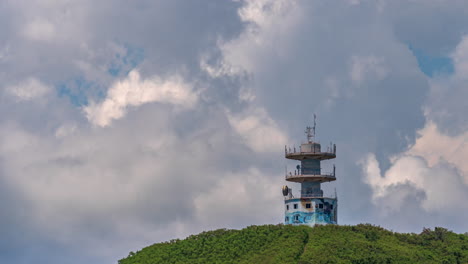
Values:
[(363, 244)]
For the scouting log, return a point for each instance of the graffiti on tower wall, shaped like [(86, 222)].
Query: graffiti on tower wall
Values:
[(311, 211)]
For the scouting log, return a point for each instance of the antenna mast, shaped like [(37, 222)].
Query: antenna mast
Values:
[(310, 131), (315, 124), (309, 134)]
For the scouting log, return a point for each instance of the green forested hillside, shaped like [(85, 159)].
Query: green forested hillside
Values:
[(303, 244)]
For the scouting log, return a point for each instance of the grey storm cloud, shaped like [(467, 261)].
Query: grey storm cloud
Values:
[(128, 123)]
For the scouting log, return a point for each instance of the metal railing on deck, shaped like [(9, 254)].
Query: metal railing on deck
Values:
[(318, 194), (330, 149), (300, 173), (313, 195), (295, 175)]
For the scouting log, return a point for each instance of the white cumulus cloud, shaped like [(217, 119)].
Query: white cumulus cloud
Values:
[(268, 24), (434, 166), (135, 91), (435, 146)]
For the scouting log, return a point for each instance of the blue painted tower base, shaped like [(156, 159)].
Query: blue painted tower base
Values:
[(310, 211)]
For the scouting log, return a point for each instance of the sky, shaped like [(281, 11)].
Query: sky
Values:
[(126, 123)]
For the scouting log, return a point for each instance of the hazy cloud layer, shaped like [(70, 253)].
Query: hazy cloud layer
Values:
[(28, 90), (128, 123)]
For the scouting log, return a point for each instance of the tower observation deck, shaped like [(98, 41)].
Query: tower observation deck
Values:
[(312, 207)]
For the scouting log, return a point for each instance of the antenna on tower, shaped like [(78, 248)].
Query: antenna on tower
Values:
[(310, 131), (309, 134), (315, 124)]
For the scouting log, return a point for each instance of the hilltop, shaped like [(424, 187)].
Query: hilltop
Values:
[(361, 244)]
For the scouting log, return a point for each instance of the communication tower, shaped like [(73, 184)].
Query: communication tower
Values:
[(312, 207)]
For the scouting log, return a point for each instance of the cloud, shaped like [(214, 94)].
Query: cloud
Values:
[(75, 193), (431, 26), (435, 146), (4, 53), (266, 20), (78, 180), (133, 91), (239, 199), (369, 67), (260, 132), (450, 117), (431, 175), (414, 172), (130, 168), (28, 89), (40, 29), (77, 185), (117, 181), (460, 58)]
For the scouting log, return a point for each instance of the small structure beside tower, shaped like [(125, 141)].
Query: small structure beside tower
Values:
[(312, 207)]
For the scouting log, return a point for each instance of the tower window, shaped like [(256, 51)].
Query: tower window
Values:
[(295, 206), (296, 217), (287, 219), (287, 207), (308, 205), (321, 206)]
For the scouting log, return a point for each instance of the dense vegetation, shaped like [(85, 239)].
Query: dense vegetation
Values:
[(305, 245)]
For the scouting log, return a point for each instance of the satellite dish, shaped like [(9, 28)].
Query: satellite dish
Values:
[(285, 190), (298, 167)]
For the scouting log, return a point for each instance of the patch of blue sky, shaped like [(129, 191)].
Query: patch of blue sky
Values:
[(431, 65), (124, 63), (79, 90)]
